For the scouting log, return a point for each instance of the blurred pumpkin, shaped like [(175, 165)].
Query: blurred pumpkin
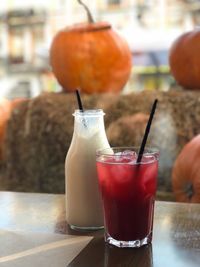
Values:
[(6, 107), (186, 173), (184, 59), (90, 56), (15, 102), (128, 129)]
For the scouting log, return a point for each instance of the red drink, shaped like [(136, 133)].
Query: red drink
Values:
[(128, 191)]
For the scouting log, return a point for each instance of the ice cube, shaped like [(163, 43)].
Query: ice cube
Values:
[(132, 162), (118, 157), (129, 155), (147, 158)]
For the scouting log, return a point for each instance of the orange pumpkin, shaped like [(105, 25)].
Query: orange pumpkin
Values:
[(92, 57), (6, 108), (186, 172), (15, 102), (184, 59)]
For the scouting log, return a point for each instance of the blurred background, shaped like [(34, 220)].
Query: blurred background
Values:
[(149, 26)]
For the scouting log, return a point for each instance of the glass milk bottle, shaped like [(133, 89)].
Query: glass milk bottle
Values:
[(83, 202)]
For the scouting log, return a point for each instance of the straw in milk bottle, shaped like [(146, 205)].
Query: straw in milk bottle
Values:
[(83, 202)]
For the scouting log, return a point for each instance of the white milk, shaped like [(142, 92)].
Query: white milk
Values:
[(83, 201)]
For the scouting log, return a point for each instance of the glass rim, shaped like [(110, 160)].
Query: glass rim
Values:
[(153, 151), (88, 112)]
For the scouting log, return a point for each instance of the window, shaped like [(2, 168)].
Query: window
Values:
[(114, 2)]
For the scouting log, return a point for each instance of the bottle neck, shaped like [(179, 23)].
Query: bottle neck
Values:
[(89, 122)]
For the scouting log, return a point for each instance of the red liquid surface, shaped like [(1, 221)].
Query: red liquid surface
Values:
[(128, 192)]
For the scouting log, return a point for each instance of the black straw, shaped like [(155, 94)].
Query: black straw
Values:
[(147, 130), (80, 105), (79, 100)]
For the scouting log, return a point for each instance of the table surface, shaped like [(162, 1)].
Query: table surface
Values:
[(176, 238)]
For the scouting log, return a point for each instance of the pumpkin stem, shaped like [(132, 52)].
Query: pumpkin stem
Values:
[(89, 14)]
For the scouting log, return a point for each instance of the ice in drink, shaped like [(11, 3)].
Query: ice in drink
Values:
[(128, 192)]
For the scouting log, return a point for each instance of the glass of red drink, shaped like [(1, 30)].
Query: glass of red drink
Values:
[(128, 192)]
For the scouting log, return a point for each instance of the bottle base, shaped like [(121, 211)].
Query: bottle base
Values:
[(128, 244), (86, 229)]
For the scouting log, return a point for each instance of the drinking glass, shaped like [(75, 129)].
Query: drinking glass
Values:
[(128, 192)]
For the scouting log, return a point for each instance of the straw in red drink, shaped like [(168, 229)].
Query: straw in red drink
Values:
[(147, 130)]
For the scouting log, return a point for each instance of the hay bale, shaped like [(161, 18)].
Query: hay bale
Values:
[(40, 131), (127, 130), (37, 140), (38, 137)]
